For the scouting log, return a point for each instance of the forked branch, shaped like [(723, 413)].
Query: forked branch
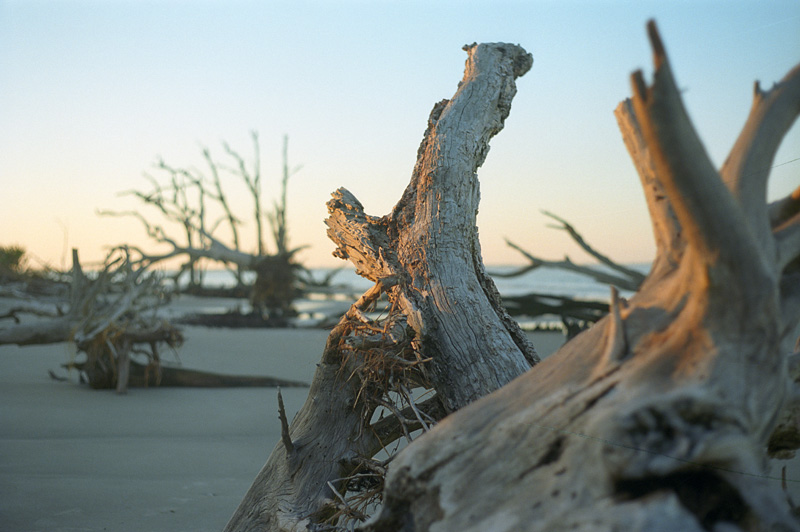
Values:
[(747, 168), (710, 220)]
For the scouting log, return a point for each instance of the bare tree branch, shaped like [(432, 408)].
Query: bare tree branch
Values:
[(625, 283), (635, 277)]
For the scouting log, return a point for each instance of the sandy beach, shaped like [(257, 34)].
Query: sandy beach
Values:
[(76, 459), (157, 459)]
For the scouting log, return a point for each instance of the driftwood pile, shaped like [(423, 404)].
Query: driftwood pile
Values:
[(111, 318)]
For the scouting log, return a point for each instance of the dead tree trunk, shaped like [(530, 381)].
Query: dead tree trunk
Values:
[(429, 243), (662, 416), (425, 256)]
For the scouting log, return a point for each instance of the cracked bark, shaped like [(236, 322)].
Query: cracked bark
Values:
[(425, 257)]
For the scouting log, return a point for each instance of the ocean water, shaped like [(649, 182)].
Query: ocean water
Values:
[(542, 281), (349, 285)]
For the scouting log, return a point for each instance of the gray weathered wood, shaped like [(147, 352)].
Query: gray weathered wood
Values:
[(425, 257), (660, 416), (429, 242)]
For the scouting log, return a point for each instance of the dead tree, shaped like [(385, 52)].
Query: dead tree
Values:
[(110, 317), (191, 197), (425, 257), (660, 417)]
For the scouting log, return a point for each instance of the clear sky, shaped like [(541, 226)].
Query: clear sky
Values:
[(92, 92)]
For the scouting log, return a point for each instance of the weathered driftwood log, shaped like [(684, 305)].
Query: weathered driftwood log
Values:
[(659, 417), (111, 317), (153, 374), (44, 331), (425, 257)]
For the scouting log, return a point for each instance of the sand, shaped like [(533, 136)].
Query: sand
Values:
[(157, 459), (76, 459)]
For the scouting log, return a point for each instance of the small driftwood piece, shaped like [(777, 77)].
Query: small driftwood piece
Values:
[(620, 276)]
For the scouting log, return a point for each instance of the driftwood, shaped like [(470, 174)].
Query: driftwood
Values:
[(111, 317), (108, 317), (620, 276), (151, 375), (576, 314), (425, 257), (662, 415)]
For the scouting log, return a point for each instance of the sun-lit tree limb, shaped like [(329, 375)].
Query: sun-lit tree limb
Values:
[(666, 229), (747, 168)]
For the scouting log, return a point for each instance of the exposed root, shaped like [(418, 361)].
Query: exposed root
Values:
[(382, 354)]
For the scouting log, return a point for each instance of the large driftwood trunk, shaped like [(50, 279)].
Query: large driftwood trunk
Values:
[(425, 257), (429, 244), (660, 417)]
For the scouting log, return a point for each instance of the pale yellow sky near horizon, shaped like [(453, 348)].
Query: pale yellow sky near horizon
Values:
[(93, 93)]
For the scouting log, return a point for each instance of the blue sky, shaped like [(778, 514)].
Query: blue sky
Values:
[(91, 93)]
